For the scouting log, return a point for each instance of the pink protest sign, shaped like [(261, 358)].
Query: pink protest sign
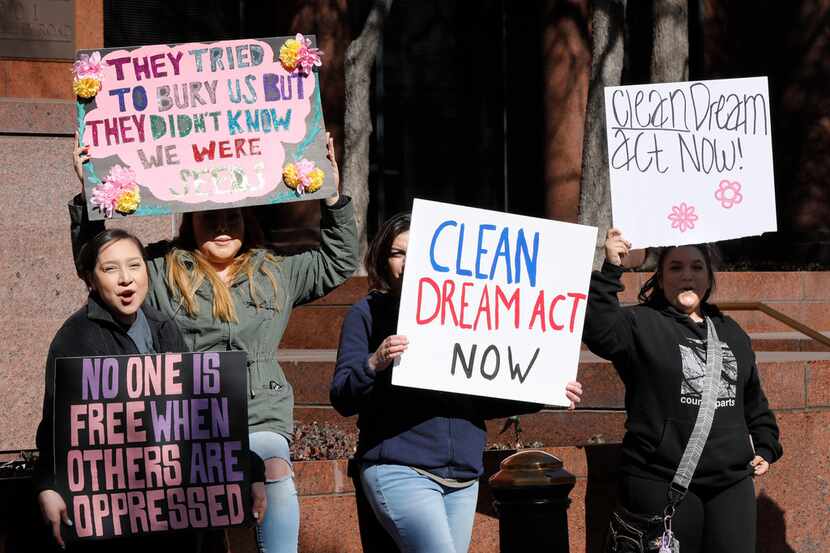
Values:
[(151, 443), (197, 126)]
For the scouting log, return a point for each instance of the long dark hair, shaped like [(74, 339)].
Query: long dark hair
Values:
[(377, 254), (88, 256), (652, 293)]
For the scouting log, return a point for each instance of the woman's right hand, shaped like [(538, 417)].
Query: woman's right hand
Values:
[(616, 247), (53, 509), (80, 155), (390, 349), (260, 501)]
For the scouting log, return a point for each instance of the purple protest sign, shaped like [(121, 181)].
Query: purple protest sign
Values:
[(152, 443), (189, 127)]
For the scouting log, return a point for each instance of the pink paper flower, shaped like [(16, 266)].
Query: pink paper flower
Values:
[(89, 65), (118, 189), (104, 197), (729, 193), (683, 217), (303, 176), (307, 57)]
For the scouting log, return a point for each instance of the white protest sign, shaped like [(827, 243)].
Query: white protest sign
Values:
[(690, 162), (493, 303)]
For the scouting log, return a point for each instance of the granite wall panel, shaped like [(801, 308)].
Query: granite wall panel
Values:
[(38, 285)]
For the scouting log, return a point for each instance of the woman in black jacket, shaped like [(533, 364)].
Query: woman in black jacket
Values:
[(659, 350), (420, 451), (114, 321)]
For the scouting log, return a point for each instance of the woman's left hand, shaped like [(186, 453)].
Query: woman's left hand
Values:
[(760, 465), (573, 390), (335, 172), (260, 501)]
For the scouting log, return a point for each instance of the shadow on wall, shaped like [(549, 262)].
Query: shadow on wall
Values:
[(772, 528), (600, 492), (601, 496)]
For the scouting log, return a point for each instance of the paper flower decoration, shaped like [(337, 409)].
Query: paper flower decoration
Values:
[(683, 217), (729, 193), (89, 66), (86, 87), (297, 53), (119, 192), (128, 201), (303, 177), (88, 72)]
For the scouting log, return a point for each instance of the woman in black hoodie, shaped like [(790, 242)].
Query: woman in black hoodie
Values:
[(114, 321), (659, 350)]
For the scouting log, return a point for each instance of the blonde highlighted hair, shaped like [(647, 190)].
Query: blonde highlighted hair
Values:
[(187, 269)]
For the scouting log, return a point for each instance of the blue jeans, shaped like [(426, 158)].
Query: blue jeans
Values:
[(421, 515), (280, 530)]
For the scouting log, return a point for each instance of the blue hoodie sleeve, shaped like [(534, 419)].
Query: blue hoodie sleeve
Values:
[(353, 380)]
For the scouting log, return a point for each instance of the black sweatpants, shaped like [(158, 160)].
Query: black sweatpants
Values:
[(711, 521)]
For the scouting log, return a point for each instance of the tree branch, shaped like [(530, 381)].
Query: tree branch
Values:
[(360, 58)]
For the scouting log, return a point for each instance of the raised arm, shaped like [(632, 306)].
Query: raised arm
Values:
[(315, 273), (608, 330), (82, 230)]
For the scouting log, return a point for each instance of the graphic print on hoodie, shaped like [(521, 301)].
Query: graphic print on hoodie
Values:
[(693, 354)]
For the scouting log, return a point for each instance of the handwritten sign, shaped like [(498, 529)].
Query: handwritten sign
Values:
[(690, 162), (201, 126), (152, 443), (493, 303)]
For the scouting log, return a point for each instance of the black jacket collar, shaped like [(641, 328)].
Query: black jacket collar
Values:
[(96, 311)]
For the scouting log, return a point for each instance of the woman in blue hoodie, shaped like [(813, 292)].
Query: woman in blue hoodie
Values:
[(420, 451)]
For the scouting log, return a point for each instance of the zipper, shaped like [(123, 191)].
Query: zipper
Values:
[(250, 380)]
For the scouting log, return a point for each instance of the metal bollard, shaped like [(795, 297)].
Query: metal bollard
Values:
[(530, 494)]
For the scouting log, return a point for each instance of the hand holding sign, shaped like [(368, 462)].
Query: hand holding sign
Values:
[(80, 155), (616, 247), (573, 391), (335, 170), (53, 509), (390, 349), (260, 501)]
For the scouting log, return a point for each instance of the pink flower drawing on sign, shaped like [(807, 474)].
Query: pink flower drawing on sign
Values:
[(729, 193), (683, 217)]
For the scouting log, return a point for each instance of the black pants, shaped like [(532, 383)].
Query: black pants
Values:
[(711, 521)]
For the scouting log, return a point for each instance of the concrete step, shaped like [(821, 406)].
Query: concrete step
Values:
[(793, 381)]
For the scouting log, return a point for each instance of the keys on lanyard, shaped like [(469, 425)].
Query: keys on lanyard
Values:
[(668, 543)]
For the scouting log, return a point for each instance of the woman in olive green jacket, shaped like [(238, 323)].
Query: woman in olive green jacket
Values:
[(226, 292)]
